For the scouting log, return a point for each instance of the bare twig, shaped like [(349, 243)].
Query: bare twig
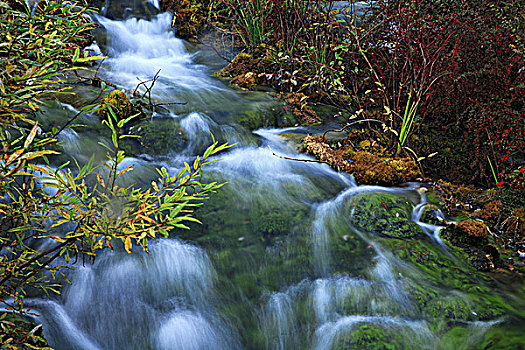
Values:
[(296, 159), (214, 49), (148, 93), (350, 124)]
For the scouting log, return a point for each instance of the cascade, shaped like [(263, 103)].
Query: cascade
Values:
[(279, 262)]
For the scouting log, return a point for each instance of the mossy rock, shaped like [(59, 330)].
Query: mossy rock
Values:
[(376, 168), (509, 336), (443, 308), (189, 16), (370, 337), (466, 233), (240, 65), (119, 103), (272, 116), (383, 214), (157, 136)]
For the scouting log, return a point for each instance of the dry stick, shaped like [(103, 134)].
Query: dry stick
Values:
[(296, 159), (148, 89), (350, 124), (148, 92)]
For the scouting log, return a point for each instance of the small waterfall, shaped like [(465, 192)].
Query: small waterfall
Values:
[(279, 322), (418, 335), (330, 296), (155, 3), (140, 48), (149, 298), (430, 229), (191, 331), (60, 328)]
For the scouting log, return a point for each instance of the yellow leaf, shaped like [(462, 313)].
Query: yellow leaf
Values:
[(41, 169), (122, 172), (91, 58), (148, 219), (100, 180), (127, 244), (14, 156), (155, 187)]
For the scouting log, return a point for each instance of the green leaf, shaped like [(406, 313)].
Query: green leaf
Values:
[(76, 55)]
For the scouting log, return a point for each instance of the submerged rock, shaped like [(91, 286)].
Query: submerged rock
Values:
[(383, 214), (272, 115), (157, 136)]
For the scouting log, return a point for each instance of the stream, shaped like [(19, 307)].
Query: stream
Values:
[(290, 255)]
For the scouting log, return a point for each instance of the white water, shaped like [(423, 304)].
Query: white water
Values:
[(138, 49), (164, 300)]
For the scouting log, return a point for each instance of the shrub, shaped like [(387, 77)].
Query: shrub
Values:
[(75, 211)]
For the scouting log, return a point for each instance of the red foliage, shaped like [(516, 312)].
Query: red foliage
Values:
[(468, 58)]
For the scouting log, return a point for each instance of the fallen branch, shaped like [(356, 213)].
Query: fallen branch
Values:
[(296, 159)]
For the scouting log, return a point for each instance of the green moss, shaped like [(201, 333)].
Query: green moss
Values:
[(509, 336), (119, 103), (370, 337), (383, 214), (444, 290)]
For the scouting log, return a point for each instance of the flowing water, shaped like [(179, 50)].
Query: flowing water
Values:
[(279, 262)]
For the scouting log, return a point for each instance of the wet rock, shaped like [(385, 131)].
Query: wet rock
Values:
[(383, 214), (82, 91), (270, 116), (100, 35), (481, 261)]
